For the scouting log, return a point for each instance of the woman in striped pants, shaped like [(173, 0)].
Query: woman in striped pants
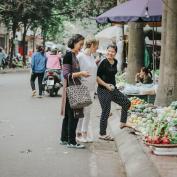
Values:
[(108, 92)]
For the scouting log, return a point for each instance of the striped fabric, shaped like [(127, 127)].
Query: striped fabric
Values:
[(70, 64)]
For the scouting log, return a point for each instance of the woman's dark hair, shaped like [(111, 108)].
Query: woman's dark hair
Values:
[(39, 48), (147, 71), (112, 46), (74, 40)]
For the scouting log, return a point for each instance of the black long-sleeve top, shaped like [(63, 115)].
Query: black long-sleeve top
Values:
[(107, 71)]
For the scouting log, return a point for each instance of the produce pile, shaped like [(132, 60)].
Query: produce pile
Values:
[(157, 126), (136, 102), (120, 80)]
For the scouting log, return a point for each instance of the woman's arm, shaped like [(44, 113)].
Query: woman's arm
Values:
[(104, 84), (137, 77), (80, 74)]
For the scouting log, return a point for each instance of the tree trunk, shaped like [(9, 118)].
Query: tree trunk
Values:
[(44, 36), (44, 39), (24, 44), (33, 42), (34, 36), (14, 28), (167, 91), (135, 50), (162, 57), (123, 55)]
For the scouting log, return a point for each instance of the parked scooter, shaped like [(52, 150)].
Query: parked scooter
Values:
[(5, 62), (52, 81)]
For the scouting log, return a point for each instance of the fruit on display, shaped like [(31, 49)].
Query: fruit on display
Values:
[(157, 125), (161, 129), (120, 80), (136, 101), (134, 119)]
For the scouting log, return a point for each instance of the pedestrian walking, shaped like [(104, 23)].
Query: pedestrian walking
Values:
[(2, 57), (38, 66), (108, 92), (71, 70), (87, 63)]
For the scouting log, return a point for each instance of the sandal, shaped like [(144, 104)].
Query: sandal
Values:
[(106, 137), (124, 125), (110, 114)]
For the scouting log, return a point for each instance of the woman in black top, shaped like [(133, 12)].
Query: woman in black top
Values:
[(108, 92)]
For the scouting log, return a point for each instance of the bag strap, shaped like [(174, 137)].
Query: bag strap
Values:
[(73, 79)]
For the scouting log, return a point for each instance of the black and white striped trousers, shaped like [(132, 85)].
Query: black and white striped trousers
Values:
[(105, 97)]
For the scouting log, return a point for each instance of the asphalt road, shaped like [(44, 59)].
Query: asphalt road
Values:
[(29, 137)]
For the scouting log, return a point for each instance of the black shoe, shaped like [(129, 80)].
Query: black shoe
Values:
[(63, 142)]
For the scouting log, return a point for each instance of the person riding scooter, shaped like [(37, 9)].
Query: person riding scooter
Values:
[(54, 62), (52, 78)]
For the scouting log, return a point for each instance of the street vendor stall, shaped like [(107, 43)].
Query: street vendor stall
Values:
[(146, 92), (156, 126)]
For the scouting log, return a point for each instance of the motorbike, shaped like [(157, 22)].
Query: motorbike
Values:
[(5, 62), (52, 81)]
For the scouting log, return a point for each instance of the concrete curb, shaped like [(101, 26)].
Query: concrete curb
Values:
[(6, 71), (135, 160)]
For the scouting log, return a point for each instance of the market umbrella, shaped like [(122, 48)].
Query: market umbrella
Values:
[(133, 10)]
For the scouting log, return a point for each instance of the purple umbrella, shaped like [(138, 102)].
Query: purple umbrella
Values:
[(133, 10)]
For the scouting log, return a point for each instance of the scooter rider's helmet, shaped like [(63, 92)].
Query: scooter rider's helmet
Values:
[(54, 51)]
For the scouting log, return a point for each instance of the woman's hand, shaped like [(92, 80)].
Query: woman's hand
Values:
[(85, 74), (141, 75), (108, 86), (138, 74), (101, 82), (137, 77)]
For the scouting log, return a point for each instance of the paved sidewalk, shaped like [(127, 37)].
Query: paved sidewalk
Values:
[(137, 157), (14, 70)]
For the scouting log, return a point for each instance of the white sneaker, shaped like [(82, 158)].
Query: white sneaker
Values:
[(76, 146), (83, 140), (33, 93)]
